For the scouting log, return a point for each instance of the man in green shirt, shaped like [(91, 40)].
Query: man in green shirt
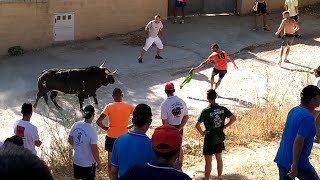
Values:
[(213, 118)]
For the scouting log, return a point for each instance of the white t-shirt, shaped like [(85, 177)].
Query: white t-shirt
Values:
[(153, 28), (173, 109), (317, 82), (291, 7), (84, 135), (29, 134)]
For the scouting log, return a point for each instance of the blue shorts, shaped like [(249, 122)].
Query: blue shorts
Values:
[(310, 174), (221, 73), (181, 4)]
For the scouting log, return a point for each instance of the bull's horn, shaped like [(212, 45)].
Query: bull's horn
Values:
[(111, 73), (101, 66)]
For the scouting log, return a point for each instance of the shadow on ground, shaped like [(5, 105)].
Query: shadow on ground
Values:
[(233, 176)]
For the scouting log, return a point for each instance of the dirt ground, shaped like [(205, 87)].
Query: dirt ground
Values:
[(257, 78)]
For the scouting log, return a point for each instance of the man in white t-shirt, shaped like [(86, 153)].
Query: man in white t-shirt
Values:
[(292, 7), (316, 112), (174, 112), (84, 138), (152, 30), (27, 131)]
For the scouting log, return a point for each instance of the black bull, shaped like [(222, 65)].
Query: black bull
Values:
[(82, 82)]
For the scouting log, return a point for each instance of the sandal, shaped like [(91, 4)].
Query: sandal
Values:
[(266, 28)]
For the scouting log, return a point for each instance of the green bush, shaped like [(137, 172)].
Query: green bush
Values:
[(15, 51)]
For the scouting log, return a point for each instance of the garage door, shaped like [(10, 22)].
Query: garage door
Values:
[(64, 27), (205, 6)]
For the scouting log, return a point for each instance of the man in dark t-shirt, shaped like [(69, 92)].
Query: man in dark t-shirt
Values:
[(213, 118)]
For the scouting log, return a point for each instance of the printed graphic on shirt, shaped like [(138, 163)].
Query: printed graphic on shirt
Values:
[(217, 120), (79, 133), (20, 131), (176, 109)]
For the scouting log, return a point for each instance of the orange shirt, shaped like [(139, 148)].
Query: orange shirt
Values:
[(118, 114), (220, 59)]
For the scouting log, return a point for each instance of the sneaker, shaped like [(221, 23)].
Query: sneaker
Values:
[(181, 21), (140, 59), (174, 21), (158, 57)]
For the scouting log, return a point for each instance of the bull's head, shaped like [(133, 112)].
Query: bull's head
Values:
[(109, 74)]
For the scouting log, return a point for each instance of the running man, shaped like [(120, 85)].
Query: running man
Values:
[(292, 7), (260, 8), (220, 59), (179, 4), (290, 27), (152, 30)]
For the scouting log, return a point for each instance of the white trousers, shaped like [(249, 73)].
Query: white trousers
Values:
[(150, 41)]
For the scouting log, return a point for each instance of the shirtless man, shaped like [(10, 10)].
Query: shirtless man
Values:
[(290, 27)]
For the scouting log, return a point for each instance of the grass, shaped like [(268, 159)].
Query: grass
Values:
[(263, 122)]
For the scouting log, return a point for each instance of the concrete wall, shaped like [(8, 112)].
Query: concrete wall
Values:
[(101, 17), (23, 24), (30, 25), (245, 6)]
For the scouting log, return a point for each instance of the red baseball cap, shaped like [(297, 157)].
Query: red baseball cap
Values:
[(166, 138), (169, 86)]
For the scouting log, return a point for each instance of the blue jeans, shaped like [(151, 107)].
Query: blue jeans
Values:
[(309, 174)]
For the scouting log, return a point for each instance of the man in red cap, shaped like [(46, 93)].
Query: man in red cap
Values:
[(174, 111), (166, 144)]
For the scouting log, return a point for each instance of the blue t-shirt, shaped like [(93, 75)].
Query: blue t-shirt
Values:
[(154, 171), (131, 149), (300, 121)]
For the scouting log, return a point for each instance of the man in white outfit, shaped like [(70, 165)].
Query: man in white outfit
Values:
[(152, 30), (316, 111), (292, 7), (174, 112), (27, 131)]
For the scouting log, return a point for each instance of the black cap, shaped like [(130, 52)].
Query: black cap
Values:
[(142, 112), (310, 92), (88, 111)]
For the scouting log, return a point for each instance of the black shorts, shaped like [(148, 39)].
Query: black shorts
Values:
[(262, 8), (296, 17), (108, 145), (221, 73), (216, 149), (84, 173), (287, 39), (177, 126)]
